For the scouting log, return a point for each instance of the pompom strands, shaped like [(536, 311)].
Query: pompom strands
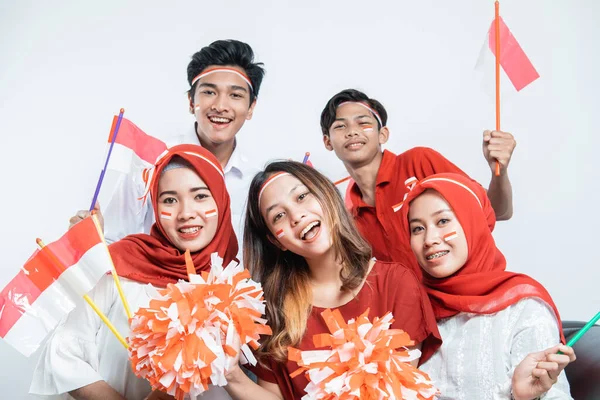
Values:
[(367, 360), (193, 332)]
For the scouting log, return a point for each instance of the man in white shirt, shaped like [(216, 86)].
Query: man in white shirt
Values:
[(224, 83)]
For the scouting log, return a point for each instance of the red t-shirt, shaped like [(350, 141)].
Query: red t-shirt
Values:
[(390, 286), (380, 225)]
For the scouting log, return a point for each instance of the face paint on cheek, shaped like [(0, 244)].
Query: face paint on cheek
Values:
[(450, 236), (166, 215), (368, 128), (279, 234), (211, 213)]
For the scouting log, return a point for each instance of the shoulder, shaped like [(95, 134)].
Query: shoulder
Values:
[(420, 151), (531, 308), (395, 276)]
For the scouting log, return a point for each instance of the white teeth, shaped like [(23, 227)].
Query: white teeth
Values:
[(355, 145), (438, 254), (189, 230), (220, 120), (308, 228)]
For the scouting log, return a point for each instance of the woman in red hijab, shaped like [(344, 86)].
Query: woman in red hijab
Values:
[(191, 203), (500, 329)]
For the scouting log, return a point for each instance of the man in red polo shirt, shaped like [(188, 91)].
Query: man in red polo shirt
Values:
[(354, 127)]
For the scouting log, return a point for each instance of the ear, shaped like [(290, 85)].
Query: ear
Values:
[(191, 103), (327, 142), (276, 242), (384, 135), (251, 110)]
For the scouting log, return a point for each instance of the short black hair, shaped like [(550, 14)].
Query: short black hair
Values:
[(329, 112), (227, 52)]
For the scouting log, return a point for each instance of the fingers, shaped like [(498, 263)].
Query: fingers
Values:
[(564, 349), (544, 379), (552, 368), (487, 135), (79, 216)]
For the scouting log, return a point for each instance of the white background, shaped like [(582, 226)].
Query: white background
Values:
[(67, 67)]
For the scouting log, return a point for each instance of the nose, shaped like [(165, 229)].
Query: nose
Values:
[(432, 238), (221, 103), (297, 214), (352, 131), (186, 211)]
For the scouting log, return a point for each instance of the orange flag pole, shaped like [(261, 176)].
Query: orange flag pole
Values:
[(497, 28)]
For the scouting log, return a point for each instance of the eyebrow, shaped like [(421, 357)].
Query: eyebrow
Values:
[(270, 208), (214, 86), (174, 192), (433, 215)]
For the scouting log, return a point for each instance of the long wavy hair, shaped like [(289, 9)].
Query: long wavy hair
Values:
[(285, 276)]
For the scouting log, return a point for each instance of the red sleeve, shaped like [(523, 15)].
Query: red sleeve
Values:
[(426, 161), (413, 312)]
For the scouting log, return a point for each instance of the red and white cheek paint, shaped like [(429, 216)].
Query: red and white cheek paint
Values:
[(279, 234), (166, 215), (211, 213), (450, 236)]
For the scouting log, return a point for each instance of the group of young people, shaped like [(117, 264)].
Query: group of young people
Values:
[(413, 237)]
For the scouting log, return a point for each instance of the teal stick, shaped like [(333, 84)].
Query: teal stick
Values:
[(583, 330)]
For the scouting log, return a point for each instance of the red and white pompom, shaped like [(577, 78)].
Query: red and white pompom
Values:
[(193, 332), (366, 360)]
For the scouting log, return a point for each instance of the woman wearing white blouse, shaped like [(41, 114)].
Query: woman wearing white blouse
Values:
[(82, 359), (500, 330)]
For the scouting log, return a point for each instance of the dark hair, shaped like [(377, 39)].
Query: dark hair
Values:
[(227, 52), (329, 112), (285, 276)]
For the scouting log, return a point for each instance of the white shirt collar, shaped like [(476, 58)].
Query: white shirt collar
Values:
[(238, 162)]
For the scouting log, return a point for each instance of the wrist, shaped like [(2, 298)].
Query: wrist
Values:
[(235, 374)]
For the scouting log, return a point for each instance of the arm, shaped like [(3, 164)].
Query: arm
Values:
[(125, 214), (240, 386), (535, 369), (69, 360), (96, 391), (499, 146)]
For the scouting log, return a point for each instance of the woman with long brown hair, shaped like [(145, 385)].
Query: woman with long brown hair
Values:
[(302, 245)]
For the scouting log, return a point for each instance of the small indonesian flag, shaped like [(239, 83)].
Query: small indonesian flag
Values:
[(42, 293), (367, 128), (513, 60), (397, 207), (279, 234), (133, 149), (211, 213), (450, 236), (166, 215)]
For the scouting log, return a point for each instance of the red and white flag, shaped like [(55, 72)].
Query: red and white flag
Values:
[(166, 215), (517, 70), (211, 213), (44, 290), (133, 149)]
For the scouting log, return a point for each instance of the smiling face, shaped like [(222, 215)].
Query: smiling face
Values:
[(436, 237), (187, 210), (221, 104), (354, 136), (295, 217)]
